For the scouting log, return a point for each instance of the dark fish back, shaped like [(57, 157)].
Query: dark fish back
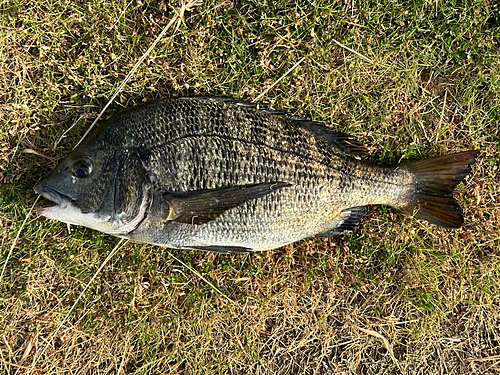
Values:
[(238, 143)]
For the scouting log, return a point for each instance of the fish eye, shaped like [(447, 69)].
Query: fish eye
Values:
[(82, 168)]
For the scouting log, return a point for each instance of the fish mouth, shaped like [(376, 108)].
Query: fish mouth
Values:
[(61, 201)]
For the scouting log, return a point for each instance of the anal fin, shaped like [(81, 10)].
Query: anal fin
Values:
[(352, 217)]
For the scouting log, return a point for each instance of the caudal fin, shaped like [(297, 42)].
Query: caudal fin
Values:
[(435, 180)]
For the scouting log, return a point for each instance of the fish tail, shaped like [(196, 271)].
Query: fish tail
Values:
[(434, 181)]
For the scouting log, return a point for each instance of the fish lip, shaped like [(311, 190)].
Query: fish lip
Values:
[(61, 201)]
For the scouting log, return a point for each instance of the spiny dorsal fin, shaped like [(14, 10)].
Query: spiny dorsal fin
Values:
[(348, 144), (345, 142), (202, 206)]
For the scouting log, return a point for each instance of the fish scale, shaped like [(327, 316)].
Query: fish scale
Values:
[(249, 126), (223, 175)]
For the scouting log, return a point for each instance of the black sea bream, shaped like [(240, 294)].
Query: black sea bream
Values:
[(222, 175)]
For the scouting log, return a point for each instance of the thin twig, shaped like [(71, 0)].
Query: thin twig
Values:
[(111, 254), (8, 346), (353, 51), (279, 79), (67, 131), (125, 352), (19, 366), (17, 237), (203, 278), (127, 78), (484, 359), (438, 130), (122, 13), (386, 343), (31, 151), (5, 362)]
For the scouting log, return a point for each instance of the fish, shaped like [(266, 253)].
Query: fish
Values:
[(226, 176)]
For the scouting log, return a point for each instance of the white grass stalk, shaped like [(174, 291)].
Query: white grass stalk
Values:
[(279, 79), (127, 78), (202, 278), (177, 18), (353, 51), (67, 131), (111, 254), (17, 237)]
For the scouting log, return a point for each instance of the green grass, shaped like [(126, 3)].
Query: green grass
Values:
[(431, 87)]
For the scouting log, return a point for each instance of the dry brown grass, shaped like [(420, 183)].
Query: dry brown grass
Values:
[(397, 296)]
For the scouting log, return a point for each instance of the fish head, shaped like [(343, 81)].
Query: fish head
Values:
[(81, 187), (102, 185)]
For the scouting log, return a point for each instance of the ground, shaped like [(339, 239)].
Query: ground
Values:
[(409, 79)]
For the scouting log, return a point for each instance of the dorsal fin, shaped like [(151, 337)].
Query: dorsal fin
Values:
[(348, 144), (344, 142)]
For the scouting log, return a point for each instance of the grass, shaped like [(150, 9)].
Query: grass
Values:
[(431, 87)]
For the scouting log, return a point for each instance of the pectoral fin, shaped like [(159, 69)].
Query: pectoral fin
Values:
[(202, 206)]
